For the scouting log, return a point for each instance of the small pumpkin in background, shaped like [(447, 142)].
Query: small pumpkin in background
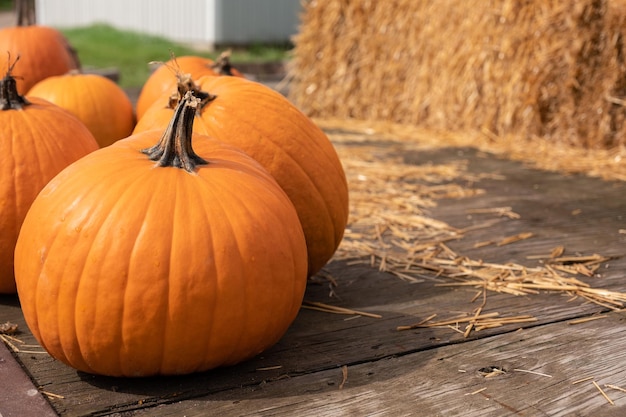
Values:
[(179, 266), (37, 140), (167, 75), (43, 50), (98, 102), (289, 145)]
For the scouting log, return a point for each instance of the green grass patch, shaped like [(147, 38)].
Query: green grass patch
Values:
[(102, 46), (6, 5)]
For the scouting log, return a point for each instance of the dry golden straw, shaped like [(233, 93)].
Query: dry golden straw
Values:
[(477, 391), (615, 387), (391, 228), (578, 381), (586, 319), (549, 69), (52, 395), (313, 305), (533, 372), (344, 376), (603, 393)]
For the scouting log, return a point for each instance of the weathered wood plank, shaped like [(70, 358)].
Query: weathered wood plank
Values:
[(24, 399), (581, 213), (541, 366), (316, 342), (319, 343)]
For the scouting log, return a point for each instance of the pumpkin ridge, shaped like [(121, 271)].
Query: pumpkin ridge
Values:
[(249, 125), (212, 304), (129, 188), (276, 98), (103, 283), (40, 140), (330, 155), (221, 277), (14, 149), (297, 153), (136, 245), (318, 195), (39, 328), (167, 291), (245, 314)]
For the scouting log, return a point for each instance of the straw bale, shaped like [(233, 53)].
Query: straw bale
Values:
[(550, 69)]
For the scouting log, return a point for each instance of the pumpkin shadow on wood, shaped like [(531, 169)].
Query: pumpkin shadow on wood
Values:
[(318, 344), (9, 300)]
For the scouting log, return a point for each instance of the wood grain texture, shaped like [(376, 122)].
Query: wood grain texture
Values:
[(450, 383), (416, 372)]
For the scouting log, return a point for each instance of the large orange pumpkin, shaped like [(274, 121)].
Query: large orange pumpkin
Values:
[(264, 124), (125, 267), (37, 140), (164, 78), (97, 101), (44, 51)]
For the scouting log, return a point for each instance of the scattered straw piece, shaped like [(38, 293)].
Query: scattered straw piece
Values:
[(477, 391), (344, 376), (557, 251), (476, 322), (515, 238), (500, 211), (578, 381), (269, 368), (586, 319), (52, 395), (603, 393), (416, 325), (314, 305), (494, 372), (16, 345), (533, 372), (615, 387), (9, 343)]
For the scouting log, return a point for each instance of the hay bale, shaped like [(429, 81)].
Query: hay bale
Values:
[(539, 68)]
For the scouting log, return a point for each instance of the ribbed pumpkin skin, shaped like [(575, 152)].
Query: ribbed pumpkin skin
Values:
[(97, 101), (36, 143), (163, 79), (265, 125), (43, 53), (127, 269)]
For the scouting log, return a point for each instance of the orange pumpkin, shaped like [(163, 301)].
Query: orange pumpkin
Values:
[(97, 101), (265, 125), (37, 140), (164, 78), (127, 267), (44, 51)]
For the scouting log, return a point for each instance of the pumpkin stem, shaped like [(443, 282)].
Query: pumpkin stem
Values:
[(222, 64), (25, 11), (185, 84), (9, 97), (174, 148)]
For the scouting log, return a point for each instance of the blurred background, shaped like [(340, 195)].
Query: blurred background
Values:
[(120, 37), (207, 24)]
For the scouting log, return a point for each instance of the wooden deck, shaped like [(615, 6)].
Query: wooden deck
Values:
[(351, 365)]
